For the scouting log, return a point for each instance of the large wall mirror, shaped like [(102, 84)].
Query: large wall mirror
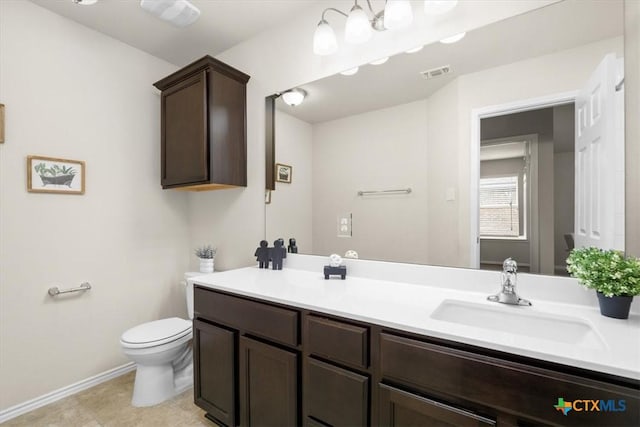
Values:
[(463, 154)]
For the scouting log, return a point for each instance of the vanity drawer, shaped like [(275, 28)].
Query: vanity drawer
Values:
[(491, 382), (334, 396), (338, 341), (264, 320)]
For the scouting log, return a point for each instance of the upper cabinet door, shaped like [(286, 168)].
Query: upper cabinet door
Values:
[(227, 130), (599, 160), (185, 156)]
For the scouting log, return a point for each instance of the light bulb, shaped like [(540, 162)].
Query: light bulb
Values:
[(294, 97), (453, 39), (324, 39), (397, 14), (358, 29), (349, 72), (379, 61), (438, 7)]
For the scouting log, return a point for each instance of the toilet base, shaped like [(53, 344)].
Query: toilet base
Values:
[(156, 383)]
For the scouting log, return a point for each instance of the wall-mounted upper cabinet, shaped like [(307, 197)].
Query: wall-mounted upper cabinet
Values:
[(203, 134)]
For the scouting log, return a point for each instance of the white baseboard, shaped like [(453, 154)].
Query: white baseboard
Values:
[(61, 393)]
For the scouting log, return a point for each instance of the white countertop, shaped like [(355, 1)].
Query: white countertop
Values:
[(408, 307)]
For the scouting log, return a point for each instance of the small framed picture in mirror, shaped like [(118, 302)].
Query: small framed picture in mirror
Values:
[(283, 173)]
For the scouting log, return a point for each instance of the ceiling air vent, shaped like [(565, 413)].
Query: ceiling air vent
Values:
[(436, 72)]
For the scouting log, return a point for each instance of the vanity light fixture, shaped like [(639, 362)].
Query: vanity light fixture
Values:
[(453, 39), (349, 72), (439, 7), (294, 96), (358, 29), (180, 13), (379, 61), (360, 24)]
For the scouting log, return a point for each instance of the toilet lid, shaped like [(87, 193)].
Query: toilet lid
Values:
[(157, 332)]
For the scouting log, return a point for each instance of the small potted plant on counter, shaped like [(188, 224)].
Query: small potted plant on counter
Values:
[(206, 254), (614, 276)]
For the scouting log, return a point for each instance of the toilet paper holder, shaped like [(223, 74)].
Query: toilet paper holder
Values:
[(85, 286)]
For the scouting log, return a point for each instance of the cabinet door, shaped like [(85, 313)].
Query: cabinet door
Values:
[(268, 385), (399, 408), (227, 131), (334, 396), (184, 151), (214, 371)]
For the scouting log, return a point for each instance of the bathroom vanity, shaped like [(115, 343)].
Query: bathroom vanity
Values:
[(289, 348)]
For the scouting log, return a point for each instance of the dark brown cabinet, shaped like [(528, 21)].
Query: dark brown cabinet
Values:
[(214, 376), (268, 385), (203, 130), (336, 389), (335, 396), (510, 391), (400, 408), (267, 364), (246, 361)]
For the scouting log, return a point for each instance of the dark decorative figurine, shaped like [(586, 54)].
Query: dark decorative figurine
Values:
[(292, 248), (277, 254), (262, 254), (340, 270)]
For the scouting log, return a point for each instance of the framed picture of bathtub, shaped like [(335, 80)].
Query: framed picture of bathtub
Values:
[(283, 173), (52, 175)]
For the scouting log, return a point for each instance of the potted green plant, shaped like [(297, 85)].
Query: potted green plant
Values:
[(614, 276), (207, 255)]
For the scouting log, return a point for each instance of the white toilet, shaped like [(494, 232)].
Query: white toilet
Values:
[(163, 356)]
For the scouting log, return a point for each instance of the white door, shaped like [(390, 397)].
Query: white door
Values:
[(599, 160)]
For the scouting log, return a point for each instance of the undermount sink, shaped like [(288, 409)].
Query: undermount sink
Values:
[(520, 321)]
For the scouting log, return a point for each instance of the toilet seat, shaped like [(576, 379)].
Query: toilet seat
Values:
[(156, 333)]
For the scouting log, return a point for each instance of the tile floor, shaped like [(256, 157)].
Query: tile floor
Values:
[(109, 404)]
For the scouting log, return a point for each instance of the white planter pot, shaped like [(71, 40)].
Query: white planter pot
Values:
[(206, 265)]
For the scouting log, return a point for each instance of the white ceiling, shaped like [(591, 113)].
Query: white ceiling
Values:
[(553, 28), (222, 24)]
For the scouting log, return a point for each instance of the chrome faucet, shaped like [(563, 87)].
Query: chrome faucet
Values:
[(508, 293)]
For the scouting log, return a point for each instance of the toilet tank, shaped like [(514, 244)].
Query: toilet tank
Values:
[(189, 291)]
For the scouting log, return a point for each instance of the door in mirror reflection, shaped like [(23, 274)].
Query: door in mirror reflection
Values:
[(526, 189)]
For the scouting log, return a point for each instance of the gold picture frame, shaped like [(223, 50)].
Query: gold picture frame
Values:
[(54, 175), (283, 173)]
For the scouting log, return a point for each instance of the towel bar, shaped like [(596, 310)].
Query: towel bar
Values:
[(85, 286)]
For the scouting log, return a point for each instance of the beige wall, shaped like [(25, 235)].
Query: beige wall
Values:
[(71, 92), (380, 150), (632, 124), (443, 223), (289, 213)]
